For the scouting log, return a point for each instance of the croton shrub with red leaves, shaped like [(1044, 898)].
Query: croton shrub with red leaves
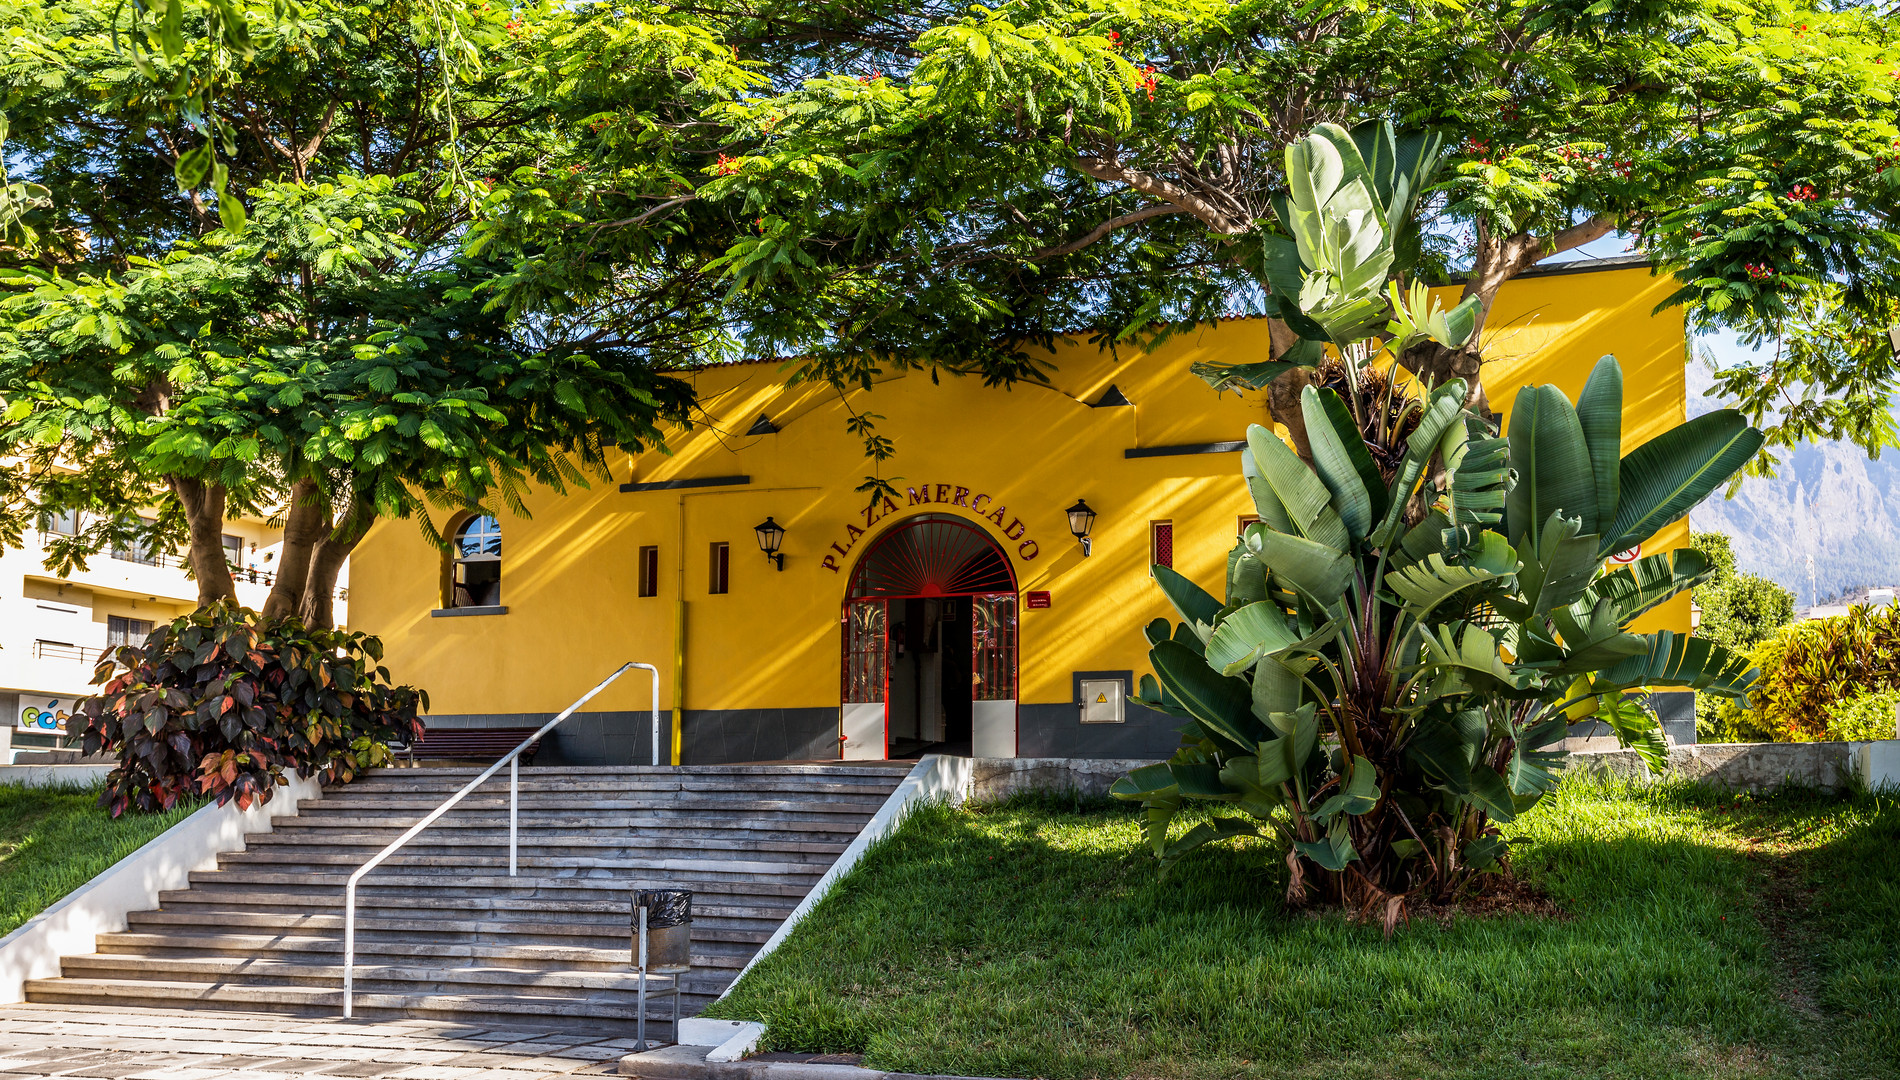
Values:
[(221, 703)]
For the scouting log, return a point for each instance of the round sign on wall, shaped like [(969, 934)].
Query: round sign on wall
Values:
[(1628, 556)]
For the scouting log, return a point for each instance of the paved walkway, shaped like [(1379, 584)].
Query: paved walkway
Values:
[(39, 1041)]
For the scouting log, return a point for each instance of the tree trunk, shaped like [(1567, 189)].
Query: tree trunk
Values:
[(203, 505), (1283, 393), (319, 594), (306, 522)]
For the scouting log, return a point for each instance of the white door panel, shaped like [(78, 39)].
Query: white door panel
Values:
[(863, 726), (993, 728)]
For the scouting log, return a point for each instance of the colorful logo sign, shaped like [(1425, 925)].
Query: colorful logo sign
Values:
[(47, 719)]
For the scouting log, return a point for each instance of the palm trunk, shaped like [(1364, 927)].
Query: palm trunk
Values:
[(203, 505), (305, 524), (1283, 393)]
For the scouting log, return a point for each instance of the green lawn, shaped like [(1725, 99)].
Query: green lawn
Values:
[(1701, 935), (53, 840)]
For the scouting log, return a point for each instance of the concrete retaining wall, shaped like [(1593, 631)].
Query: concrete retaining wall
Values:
[(76, 776), (1761, 767), (996, 779), (72, 926)]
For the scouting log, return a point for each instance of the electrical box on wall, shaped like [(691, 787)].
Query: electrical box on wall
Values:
[(1102, 701)]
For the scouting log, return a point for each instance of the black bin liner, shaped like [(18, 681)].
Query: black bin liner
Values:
[(665, 907)]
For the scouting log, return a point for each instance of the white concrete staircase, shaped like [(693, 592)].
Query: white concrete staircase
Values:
[(442, 930)]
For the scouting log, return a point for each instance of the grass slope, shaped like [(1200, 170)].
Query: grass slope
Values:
[(53, 840), (1705, 935)]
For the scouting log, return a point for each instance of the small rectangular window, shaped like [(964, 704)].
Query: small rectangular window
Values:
[(63, 523), (122, 631), (234, 550), (718, 563), (649, 571), (137, 549), (1246, 520), (1161, 543)]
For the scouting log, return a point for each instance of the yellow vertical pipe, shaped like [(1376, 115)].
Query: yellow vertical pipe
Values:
[(679, 636)]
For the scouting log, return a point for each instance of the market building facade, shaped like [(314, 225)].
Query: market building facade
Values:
[(962, 614)]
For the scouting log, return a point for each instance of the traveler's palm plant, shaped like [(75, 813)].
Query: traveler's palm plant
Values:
[(1379, 695)]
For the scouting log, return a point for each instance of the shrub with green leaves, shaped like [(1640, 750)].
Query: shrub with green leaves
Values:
[(1816, 672), (1865, 718), (223, 703), (1390, 667)]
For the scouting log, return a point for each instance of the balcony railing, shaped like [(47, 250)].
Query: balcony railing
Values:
[(61, 650)]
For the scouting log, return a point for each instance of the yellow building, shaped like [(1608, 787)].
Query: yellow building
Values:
[(861, 641)]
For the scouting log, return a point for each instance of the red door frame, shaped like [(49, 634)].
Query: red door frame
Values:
[(844, 617)]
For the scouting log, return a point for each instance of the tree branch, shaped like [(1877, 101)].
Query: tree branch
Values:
[(1104, 229), (1152, 185)]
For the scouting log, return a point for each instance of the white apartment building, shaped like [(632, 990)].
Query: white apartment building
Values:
[(54, 629)]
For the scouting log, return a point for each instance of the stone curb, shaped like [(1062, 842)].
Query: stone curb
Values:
[(689, 1063)]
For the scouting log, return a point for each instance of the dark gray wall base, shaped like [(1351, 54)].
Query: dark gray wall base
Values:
[(586, 738), (1057, 731), (725, 736)]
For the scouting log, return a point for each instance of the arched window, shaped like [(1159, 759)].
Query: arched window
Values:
[(475, 579)]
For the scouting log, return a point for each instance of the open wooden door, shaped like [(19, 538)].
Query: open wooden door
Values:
[(993, 670), (866, 680)]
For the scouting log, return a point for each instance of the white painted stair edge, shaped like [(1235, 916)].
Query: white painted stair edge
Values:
[(936, 777), (72, 926)]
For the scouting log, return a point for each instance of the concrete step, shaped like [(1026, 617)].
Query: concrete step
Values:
[(543, 842), (328, 948), (402, 863), (208, 903), (602, 933), (839, 827), (593, 883), (492, 1009), (377, 974), (530, 780)]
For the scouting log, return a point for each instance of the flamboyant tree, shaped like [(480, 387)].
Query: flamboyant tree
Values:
[(374, 299), (951, 187)]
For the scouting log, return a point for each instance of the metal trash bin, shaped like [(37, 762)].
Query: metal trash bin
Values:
[(662, 945)]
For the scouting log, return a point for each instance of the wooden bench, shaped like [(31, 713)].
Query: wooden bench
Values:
[(480, 744)]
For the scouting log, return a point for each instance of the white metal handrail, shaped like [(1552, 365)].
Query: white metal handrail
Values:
[(512, 760)]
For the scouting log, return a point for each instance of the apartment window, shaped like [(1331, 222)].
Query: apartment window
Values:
[(137, 549), (233, 550), (63, 523), (649, 571), (123, 631), (1161, 543), (476, 574), (718, 563)]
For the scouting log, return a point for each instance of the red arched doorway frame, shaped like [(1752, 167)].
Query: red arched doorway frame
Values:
[(929, 556)]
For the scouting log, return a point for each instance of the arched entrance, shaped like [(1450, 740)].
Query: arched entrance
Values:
[(931, 610)]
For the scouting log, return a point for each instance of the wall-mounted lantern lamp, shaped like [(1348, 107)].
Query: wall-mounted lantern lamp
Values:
[(1081, 520), (771, 535)]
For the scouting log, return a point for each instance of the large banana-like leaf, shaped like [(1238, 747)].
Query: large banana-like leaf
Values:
[(1660, 480), (1441, 412), (1259, 793), (1221, 703), (1313, 570), (1552, 463), (1276, 687), (1446, 749), (1399, 166), (1246, 576), (1334, 852), (1480, 482), (1636, 728), (1424, 585), (1592, 639), (1652, 579), (1198, 608), (1340, 458), (1248, 634), (1254, 376), (1151, 695), (1357, 794), (1674, 659), (1559, 567), (1600, 412), (1207, 832), (1491, 794), (1267, 504), (1533, 769), (1154, 788), (1466, 661), (1309, 506)]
